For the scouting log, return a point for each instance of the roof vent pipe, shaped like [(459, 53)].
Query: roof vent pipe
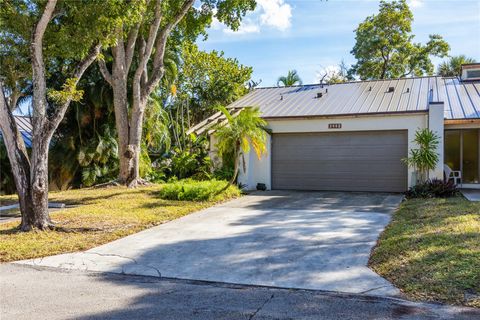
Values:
[(281, 97), (408, 90), (319, 94), (391, 89), (326, 90), (370, 88)]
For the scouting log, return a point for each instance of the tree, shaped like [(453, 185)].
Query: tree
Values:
[(54, 39), (292, 78), (453, 67), (238, 133), (137, 62), (385, 49), (425, 157), (208, 80)]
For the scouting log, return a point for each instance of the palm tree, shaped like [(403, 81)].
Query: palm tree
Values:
[(235, 137), (292, 78), (453, 67), (425, 157)]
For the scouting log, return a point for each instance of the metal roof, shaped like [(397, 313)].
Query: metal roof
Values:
[(461, 99), (24, 125)]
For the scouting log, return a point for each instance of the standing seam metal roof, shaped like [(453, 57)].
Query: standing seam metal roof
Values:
[(461, 98)]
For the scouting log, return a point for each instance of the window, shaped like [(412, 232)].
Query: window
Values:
[(472, 74)]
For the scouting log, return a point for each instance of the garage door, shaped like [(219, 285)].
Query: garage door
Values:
[(343, 161)]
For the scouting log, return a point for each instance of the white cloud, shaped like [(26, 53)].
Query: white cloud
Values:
[(245, 27), (216, 25), (415, 3), (276, 13), (269, 13)]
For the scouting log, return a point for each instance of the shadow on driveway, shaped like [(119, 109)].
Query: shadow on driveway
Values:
[(307, 240)]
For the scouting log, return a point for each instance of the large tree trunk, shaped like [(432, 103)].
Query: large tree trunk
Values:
[(150, 51), (135, 138), (130, 148), (39, 185), (31, 174)]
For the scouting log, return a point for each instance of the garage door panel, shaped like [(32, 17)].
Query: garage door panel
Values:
[(345, 161)]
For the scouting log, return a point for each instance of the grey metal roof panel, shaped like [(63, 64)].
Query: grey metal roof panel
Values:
[(461, 99)]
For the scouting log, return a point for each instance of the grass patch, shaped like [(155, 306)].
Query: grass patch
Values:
[(431, 250), (108, 213), (192, 190)]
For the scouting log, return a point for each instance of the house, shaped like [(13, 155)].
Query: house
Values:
[(352, 136)]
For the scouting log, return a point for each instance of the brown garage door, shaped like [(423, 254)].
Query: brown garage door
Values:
[(343, 161)]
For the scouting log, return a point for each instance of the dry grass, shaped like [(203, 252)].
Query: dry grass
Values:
[(99, 216), (431, 250)]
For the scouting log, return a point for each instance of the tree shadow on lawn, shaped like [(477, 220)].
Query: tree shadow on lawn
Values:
[(94, 199)]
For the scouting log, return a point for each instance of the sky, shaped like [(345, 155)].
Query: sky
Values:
[(312, 35)]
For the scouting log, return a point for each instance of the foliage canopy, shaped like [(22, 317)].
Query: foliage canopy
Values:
[(453, 66), (385, 49)]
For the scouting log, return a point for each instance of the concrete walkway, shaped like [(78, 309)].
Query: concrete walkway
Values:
[(308, 240), (55, 294)]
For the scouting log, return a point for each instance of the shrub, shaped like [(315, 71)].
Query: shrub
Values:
[(191, 190), (434, 188), (184, 164), (223, 173), (425, 157)]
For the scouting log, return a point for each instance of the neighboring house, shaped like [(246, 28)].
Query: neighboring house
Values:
[(352, 136), (25, 127)]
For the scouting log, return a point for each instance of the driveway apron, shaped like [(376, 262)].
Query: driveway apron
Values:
[(308, 240)]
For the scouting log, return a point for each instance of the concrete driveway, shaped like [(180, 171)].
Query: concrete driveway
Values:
[(309, 240)]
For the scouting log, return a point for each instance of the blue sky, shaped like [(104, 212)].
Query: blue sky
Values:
[(312, 35)]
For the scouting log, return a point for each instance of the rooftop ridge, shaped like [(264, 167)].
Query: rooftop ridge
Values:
[(354, 81)]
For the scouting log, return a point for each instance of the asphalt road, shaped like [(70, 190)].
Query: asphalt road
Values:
[(40, 293)]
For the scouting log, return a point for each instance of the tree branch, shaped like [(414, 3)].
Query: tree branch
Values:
[(17, 152), (38, 66), (141, 51), (104, 71), (158, 71), (147, 49), (130, 48), (118, 51), (77, 75)]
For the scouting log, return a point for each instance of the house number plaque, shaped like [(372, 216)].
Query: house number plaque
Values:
[(334, 126)]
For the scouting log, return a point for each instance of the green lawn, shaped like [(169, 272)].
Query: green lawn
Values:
[(99, 216), (431, 250)]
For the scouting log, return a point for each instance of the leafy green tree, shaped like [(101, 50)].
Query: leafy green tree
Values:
[(425, 157), (138, 61), (292, 78), (241, 131), (385, 49), (453, 66), (208, 80), (48, 39)]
